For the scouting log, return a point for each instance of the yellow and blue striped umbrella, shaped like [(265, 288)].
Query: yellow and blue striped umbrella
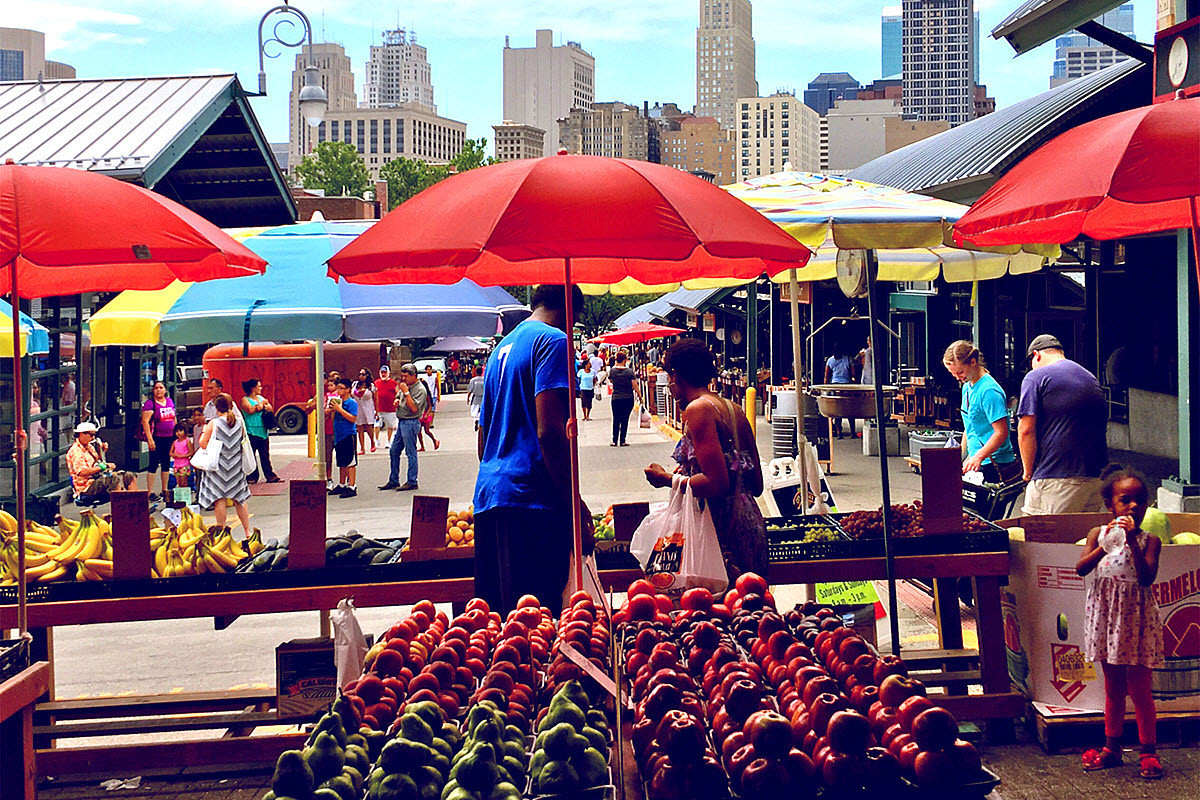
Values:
[(908, 231)]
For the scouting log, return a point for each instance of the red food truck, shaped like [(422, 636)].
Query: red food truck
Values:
[(288, 371)]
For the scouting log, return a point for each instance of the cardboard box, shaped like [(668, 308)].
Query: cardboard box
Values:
[(1043, 609), (306, 677)]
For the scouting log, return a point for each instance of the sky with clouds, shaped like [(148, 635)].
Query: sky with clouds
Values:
[(644, 51)]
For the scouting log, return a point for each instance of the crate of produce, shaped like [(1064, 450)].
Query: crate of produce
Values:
[(809, 537), (14, 657), (979, 535), (979, 787)]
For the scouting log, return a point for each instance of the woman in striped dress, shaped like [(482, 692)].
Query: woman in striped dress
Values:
[(227, 479)]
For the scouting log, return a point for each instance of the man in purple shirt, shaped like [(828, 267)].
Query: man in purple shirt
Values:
[(1062, 432)]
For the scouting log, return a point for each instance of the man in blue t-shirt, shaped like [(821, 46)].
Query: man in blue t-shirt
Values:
[(1062, 432), (523, 535), (345, 412)]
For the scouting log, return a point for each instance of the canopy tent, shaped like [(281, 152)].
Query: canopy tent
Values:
[(634, 334), (457, 344), (35, 339)]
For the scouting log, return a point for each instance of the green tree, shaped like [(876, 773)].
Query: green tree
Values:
[(599, 310), (335, 167), (472, 155), (407, 176)]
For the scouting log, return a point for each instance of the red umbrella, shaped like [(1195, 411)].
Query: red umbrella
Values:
[(638, 332), (566, 219), (66, 231), (1120, 175)]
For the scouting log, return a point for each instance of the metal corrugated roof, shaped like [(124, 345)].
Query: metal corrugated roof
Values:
[(110, 126), (694, 299), (1038, 21), (961, 163), (191, 138), (635, 315)]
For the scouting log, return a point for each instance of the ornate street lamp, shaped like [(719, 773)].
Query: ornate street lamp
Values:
[(313, 99)]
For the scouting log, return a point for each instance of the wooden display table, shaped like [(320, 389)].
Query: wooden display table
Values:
[(242, 713), (18, 776)]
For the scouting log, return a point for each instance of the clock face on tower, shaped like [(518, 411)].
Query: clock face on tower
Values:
[(852, 272), (1177, 61)]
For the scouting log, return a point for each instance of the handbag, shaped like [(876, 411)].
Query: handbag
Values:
[(206, 457), (268, 421), (677, 544)]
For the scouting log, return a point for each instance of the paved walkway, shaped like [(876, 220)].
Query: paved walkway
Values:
[(188, 655)]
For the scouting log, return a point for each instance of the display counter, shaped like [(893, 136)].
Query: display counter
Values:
[(18, 776)]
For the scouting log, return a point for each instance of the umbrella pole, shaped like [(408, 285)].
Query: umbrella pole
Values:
[(1196, 239), (319, 359), (572, 428), (19, 452), (794, 297), (880, 417)]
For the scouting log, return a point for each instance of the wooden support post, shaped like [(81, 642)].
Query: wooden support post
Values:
[(306, 542), (132, 558)]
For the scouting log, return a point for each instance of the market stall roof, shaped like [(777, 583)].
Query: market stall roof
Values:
[(1038, 21), (696, 300), (642, 313), (962, 163), (193, 139)]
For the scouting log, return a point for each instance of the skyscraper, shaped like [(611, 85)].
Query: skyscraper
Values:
[(1076, 55), (724, 59), (891, 50), (939, 60), (543, 83), (337, 79), (23, 57), (776, 130), (827, 88), (398, 72)]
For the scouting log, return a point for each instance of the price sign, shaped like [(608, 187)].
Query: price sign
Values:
[(847, 593), (306, 539), (429, 521)]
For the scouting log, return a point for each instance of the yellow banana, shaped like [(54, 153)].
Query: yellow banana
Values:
[(225, 559), (82, 573), (65, 526), (212, 563), (34, 539), (176, 566), (101, 568), (8, 521), (160, 560), (35, 560), (60, 571), (104, 524), (92, 541), (72, 541)]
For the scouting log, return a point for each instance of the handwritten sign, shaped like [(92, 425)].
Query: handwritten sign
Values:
[(847, 593), (941, 490), (428, 521), (306, 537), (131, 535)]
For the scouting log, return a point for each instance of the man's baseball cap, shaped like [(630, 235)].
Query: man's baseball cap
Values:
[(384, 368), (86, 427), (1042, 342)]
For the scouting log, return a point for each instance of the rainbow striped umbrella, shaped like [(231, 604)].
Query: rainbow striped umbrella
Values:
[(296, 299), (910, 233)]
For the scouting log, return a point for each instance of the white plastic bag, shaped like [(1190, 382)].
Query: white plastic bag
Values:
[(349, 644), (644, 418), (677, 546)]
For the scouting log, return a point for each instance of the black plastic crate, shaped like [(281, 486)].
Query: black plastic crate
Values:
[(989, 500), (785, 543), (14, 657)]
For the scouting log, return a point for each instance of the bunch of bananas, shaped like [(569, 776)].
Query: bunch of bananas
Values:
[(81, 550), (196, 549)]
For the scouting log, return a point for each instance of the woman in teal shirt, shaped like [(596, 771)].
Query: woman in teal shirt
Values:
[(253, 406), (986, 447)]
